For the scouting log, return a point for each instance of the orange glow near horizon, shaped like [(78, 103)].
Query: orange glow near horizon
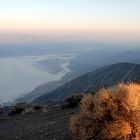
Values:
[(71, 20), (99, 30), (70, 26)]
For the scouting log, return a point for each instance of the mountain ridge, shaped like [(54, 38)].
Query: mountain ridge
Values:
[(109, 75)]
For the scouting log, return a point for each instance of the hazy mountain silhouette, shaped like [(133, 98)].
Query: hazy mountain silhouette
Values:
[(90, 82)]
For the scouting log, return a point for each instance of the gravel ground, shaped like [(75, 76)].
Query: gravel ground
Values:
[(52, 125)]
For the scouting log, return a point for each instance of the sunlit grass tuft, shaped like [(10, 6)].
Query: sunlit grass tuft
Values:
[(110, 114)]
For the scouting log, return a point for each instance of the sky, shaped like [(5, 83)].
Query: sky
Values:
[(61, 20)]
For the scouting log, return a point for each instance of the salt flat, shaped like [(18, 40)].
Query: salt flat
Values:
[(19, 75)]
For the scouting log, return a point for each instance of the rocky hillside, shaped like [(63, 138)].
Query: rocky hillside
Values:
[(108, 76)]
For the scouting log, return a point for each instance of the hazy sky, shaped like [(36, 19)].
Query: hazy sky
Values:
[(70, 19)]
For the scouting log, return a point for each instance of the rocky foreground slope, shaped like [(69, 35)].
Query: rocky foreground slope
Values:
[(52, 125)]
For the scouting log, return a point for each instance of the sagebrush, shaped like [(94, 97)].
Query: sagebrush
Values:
[(110, 114), (72, 101)]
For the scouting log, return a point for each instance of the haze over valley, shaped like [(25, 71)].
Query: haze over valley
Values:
[(20, 75), (23, 70)]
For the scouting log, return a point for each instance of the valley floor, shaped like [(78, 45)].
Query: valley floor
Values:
[(52, 125)]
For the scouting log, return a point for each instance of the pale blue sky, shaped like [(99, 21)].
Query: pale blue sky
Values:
[(70, 15), (63, 8)]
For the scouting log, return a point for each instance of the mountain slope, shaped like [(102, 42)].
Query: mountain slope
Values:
[(87, 59), (109, 76)]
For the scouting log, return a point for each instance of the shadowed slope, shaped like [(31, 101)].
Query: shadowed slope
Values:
[(109, 76)]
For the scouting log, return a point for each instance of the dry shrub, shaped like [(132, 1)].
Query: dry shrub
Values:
[(1, 110), (37, 108), (40, 108), (19, 108), (72, 101), (110, 114)]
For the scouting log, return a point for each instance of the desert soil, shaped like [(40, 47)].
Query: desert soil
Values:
[(51, 125)]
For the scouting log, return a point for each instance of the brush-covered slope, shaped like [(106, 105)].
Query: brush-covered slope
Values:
[(108, 75)]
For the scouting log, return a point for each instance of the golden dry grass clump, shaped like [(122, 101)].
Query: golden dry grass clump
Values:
[(110, 114)]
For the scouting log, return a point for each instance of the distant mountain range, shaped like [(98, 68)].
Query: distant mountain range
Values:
[(106, 76)]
